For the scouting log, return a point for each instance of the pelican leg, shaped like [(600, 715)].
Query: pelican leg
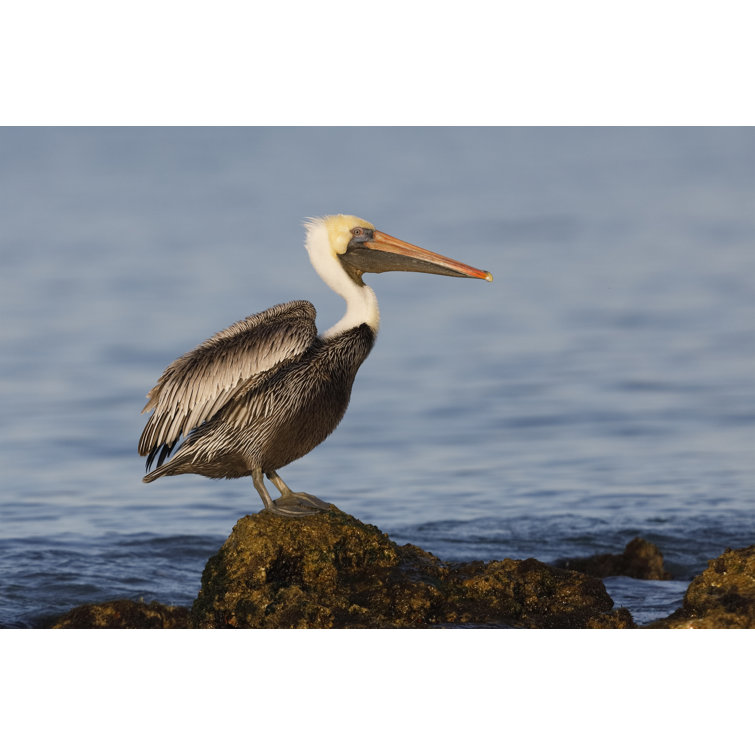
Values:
[(295, 504), (279, 506)]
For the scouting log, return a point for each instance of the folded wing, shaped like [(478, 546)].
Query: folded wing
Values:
[(200, 383)]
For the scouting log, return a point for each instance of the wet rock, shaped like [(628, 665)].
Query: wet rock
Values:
[(124, 614), (331, 570), (722, 597), (640, 560), (531, 594)]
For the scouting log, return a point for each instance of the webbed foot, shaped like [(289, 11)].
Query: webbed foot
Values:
[(297, 505), (289, 504)]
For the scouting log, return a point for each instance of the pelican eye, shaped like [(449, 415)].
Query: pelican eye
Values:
[(358, 233)]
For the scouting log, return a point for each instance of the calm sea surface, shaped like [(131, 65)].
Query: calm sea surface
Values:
[(602, 387)]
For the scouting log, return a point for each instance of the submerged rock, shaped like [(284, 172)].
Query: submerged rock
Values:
[(124, 614), (640, 560), (331, 570), (722, 597)]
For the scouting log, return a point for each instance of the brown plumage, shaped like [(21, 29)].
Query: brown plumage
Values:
[(257, 395)]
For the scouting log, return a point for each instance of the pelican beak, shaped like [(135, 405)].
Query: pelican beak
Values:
[(381, 253)]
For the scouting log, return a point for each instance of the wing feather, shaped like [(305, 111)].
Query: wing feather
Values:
[(197, 385)]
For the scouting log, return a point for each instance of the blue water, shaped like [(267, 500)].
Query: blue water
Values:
[(601, 387)]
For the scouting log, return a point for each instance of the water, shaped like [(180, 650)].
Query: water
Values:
[(601, 388)]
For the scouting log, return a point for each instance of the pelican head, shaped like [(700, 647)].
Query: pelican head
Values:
[(361, 248), (344, 247)]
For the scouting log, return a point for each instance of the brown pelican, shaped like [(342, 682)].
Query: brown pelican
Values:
[(268, 389)]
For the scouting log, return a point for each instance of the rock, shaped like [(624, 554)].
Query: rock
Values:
[(640, 560), (331, 570), (531, 594), (722, 597), (124, 614)]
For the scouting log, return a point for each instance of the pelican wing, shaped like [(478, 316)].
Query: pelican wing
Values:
[(198, 384)]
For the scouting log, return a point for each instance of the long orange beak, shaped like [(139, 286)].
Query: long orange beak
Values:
[(390, 253)]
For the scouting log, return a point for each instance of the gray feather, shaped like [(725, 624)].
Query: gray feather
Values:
[(196, 386)]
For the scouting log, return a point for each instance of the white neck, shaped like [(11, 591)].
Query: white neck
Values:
[(361, 302)]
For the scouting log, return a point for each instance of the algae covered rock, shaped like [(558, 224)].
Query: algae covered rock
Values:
[(722, 597), (640, 560), (124, 614), (532, 594), (331, 570)]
